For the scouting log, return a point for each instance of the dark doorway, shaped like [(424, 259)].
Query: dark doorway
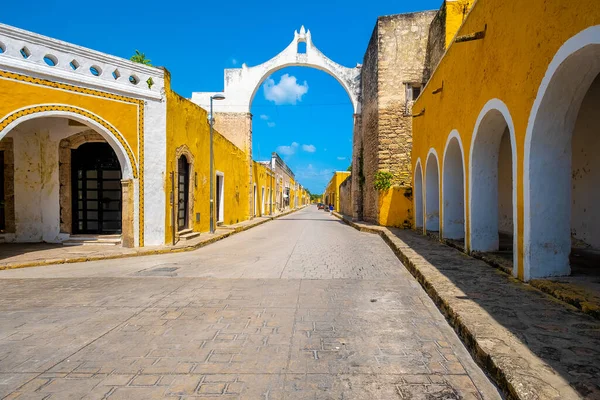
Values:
[(2, 200), (96, 182), (183, 184)]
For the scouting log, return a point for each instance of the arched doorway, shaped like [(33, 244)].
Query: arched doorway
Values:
[(96, 189), (183, 190), (562, 169), (418, 196), (67, 175), (453, 194), (492, 182), (432, 193)]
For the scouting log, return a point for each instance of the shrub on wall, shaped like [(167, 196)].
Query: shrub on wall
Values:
[(383, 180)]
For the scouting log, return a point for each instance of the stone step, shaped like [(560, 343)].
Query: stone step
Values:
[(93, 240), (188, 234)]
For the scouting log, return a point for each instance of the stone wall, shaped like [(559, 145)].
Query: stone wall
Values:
[(367, 141), (435, 43), (395, 56), (346, 196), (237, 128)]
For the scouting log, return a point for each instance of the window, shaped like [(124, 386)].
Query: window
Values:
[(413, 90)]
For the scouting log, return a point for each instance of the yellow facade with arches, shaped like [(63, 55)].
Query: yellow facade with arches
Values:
[(494, 126), (119, 119)]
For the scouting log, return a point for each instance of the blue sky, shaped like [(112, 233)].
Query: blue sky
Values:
[(196, 40)]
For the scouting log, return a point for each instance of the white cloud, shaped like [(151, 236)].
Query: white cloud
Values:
[(264, 117), (270, 124), (310, 172), (341, 158), (287, 150), (309, 148), (287, 91)]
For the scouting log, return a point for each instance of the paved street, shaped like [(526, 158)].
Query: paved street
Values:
[(303, 307)]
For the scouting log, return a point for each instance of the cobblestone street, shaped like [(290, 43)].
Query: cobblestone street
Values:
[(302, 307)]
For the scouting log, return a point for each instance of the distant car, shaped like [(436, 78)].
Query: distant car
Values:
[(320, 206)]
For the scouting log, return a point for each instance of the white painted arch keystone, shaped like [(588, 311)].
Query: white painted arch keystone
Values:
[(241, 84)]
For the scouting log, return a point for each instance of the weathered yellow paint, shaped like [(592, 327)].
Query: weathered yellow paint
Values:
[(509, 64), (455, 11), (332, 191), (187, 124), (395, 205)]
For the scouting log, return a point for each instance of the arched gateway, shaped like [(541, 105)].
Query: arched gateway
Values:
[(232, 115), (241, 84)]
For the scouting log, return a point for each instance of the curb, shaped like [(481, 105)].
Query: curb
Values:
[(143, 252), (482, 358)]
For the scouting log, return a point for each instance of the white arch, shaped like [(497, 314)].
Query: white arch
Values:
[(483, 227), (547, 214), (127, 167), (432, 192), (241, 84), (418, 196), (453, 226)]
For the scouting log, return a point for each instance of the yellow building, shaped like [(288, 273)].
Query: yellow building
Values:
[(263, 179), (94, 145), (332, 191), (506, 135)]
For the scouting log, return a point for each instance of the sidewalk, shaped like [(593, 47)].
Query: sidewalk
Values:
[(532, 345), (22, 255)]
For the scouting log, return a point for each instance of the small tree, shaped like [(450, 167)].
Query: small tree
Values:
[(349, 169), (140, 58)]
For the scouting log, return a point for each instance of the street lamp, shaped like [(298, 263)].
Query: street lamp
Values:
[(211, 121)]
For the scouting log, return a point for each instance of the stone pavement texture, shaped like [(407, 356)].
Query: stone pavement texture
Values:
[(303, 307), (533, 345), (22, 255)]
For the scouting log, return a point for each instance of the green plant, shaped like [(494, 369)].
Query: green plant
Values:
[(383, 180), (349, 169), (140, 58)]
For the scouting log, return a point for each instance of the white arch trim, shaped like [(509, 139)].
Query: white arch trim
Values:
[(431, 154), (126, 165), (241, 84), (500, 106), (455, 135), (589, 36), (418, 167)]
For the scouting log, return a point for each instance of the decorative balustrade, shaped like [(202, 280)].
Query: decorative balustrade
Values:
[(28, 51)]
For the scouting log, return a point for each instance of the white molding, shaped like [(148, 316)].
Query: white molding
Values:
[(454, 134), (588, 36), (418, 166), (39, 46), (431, 153), (500, 106)]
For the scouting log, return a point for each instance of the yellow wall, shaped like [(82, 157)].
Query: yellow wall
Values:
[(456, 12), (187, 124), (333, 188), (509, 64), (118, 115), (395, 205)]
